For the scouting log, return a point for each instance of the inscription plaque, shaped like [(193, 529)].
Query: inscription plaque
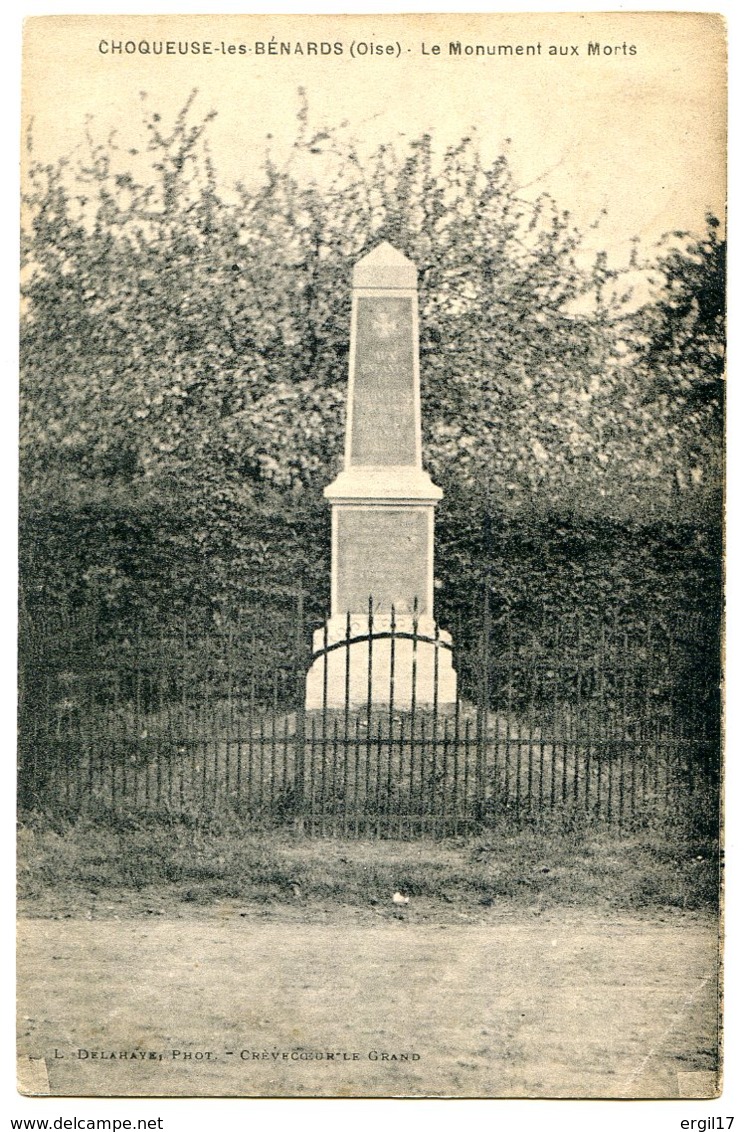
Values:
[(383, 553), (383, 430)]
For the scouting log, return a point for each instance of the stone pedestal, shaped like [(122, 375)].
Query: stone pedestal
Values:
[(377, 667), (382, 513)]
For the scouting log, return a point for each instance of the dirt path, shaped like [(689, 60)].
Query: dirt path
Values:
[(566, 1004)]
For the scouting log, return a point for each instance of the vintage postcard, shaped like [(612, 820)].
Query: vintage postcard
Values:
[(371, 462)]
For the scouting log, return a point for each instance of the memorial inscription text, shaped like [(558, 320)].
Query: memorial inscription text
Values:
[(383, 414), (382, 553)]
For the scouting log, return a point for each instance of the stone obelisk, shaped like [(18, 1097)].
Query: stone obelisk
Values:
[(382, 512)]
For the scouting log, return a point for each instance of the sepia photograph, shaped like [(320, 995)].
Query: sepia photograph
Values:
[(370, 556)]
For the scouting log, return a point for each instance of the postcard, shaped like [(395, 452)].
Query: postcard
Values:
[(371, 462)]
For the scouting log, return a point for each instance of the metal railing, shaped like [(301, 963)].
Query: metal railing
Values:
[(586, 721)]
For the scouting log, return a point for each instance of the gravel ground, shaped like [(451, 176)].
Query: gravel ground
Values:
[(563, 1003)]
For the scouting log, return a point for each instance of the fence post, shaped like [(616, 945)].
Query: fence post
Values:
[(370, 630), (481, 730), (33, 707), (300, 712)]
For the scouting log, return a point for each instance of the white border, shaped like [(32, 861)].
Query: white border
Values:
[(338, 1115)]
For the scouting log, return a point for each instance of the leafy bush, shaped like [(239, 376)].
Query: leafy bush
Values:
[(185, 357)]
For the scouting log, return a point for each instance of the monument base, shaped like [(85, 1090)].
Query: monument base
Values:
[(355, 667)]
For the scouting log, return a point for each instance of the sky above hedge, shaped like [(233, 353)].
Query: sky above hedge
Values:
[(639, 135)]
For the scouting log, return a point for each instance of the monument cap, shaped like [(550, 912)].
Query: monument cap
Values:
[(385, 269)]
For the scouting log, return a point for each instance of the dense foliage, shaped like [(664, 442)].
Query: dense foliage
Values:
[(185, 356)]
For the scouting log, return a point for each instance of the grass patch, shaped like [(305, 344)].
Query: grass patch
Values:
[(67, 863)]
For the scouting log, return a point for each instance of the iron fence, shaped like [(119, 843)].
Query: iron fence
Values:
[(586, 720)]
